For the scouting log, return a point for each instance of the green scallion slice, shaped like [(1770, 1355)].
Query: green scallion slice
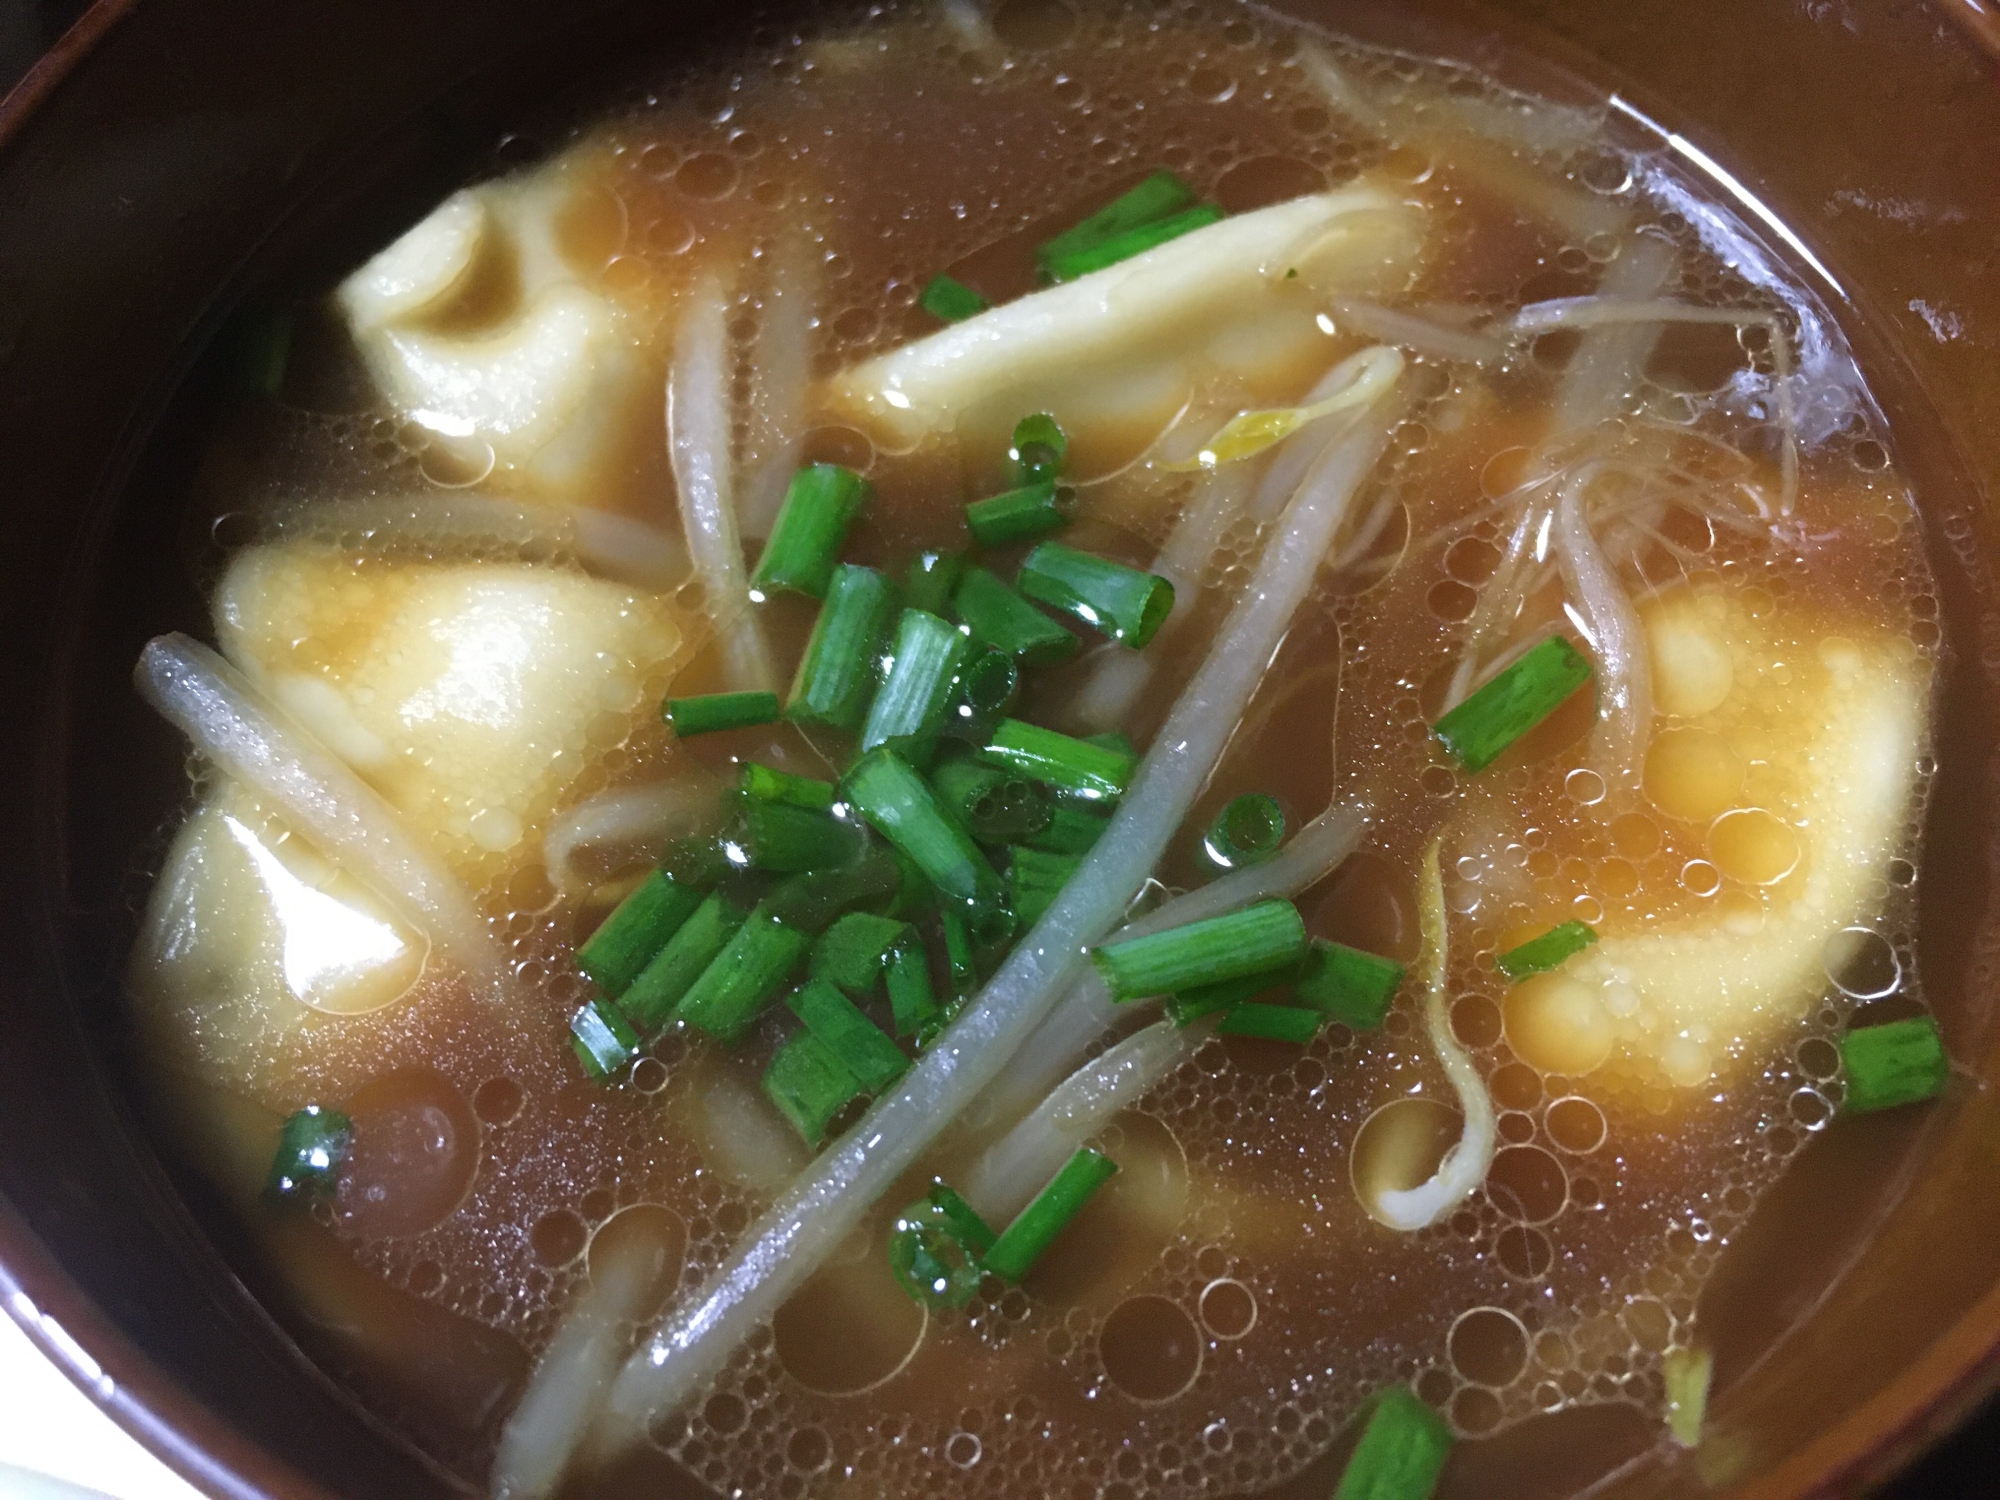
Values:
[(1123, 603), (312, 1147), (820, 507), (811, 901), (1899, 1062), (1160, 196), (931, 579), (1002, 619), (1035, 879), (783, 839), (849, 1035), (1094, 773), (995, 805), (714, 711), (810, 1086), (650, 1001), (1072, 830), (603, 1040), (952, 300), (843, 656), (900, 805), (1268, 935), (1113, 739), (1401, 1452), (914, 702), (1347, 985), (769, 784), (747, 975), (1200, 1000), (1132, 242), (961, 968), (935, 1248), (852, 952), (627, 940), (1278, 1023), (987, 686), (1246, 832), (1035, 1228), (912, 1001), (1039, 447), (1551, 949), (1485, 724), (1017, 515)]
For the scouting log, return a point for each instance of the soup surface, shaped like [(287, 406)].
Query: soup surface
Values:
[(1514, 379)]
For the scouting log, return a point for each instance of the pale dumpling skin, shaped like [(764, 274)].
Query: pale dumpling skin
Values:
[(470, 694), (481, 326), (1787, 744)]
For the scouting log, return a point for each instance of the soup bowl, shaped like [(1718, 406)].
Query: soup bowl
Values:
[(174, 163)]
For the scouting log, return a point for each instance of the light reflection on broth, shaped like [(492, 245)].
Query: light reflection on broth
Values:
[(486, 591)]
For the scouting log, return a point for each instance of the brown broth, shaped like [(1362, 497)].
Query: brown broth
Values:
[(1212, 1320)]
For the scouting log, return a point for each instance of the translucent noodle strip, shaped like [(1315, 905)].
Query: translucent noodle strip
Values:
[(640, 820), (698, 441), (785, 1247), (1016, 1167), (1087, 1012), (1419, 334), (1603, 612), (1464, 1166), (780, 374), (258, 744)]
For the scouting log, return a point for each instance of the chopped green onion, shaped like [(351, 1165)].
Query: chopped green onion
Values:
[(1160, 196), (1687, 1373), (998, 807), (1401, 1452), (1123, 603), (1132, 242), (987, 685), (1278, 1023), (849, 1035), (914, 895), (1002, 619), (811, 901), (935, 1248), (911, 999), (626, 941), (263, 347), (1246, 832), (784, 839), (1191, 1004), (804, 545), (1035, 879), (851, 953), (931, 579), (843, 656), (914, 701), (713, 711), (1016, 515), (1900, 1062), (1113, 739), (952, 300), (603, 1040), (1035, 1228), (900, 805), (1258, 938), (1485, 724), (960, 966), (769, 784), (650, 1001), (312, 1147), (1039, 448), (1538, 955), (1348, 985), (746, 976), (1073, 830), (1094, 773), (809, 1085)]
